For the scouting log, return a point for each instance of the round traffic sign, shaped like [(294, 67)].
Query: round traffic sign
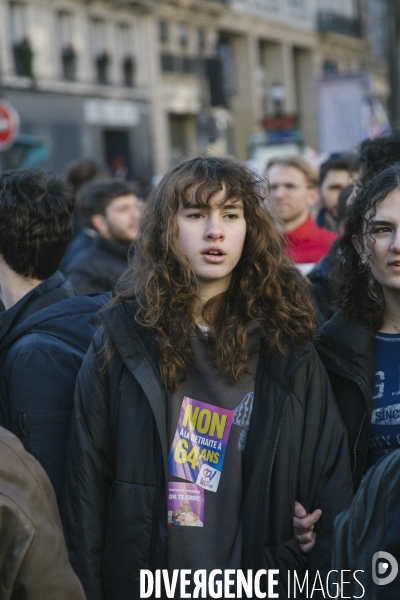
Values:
[(9, 125)]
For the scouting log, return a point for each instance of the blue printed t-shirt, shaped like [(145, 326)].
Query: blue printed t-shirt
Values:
[(385, 420)]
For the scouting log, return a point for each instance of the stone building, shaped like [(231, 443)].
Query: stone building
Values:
[(77, 73), (138, 84)]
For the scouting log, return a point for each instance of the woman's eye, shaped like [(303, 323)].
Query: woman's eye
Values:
[(232, 216), (381, 230), (195, 216)]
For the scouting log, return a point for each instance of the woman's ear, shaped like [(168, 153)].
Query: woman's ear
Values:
[(359, 249)]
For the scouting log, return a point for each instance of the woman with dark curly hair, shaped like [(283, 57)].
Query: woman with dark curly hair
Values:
[(202, 388), (360, 345)]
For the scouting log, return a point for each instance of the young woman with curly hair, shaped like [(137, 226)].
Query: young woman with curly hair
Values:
[(360, 345), (202, 395)]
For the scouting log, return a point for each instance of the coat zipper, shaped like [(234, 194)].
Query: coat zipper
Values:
[(355, 445), (360, 387), (275, 449)]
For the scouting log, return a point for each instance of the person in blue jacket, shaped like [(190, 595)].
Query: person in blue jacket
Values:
[(45, 330)]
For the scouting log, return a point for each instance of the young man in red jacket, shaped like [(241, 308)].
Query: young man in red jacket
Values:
[(294, 188)]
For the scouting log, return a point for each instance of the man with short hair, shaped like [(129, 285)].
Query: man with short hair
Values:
[(336, 173), (113, 211), (45, 331), (294, 189)]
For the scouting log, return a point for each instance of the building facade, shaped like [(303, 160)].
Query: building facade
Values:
[(139, 84), (77, 74)]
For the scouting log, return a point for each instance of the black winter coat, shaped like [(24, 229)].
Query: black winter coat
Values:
[(98, 267), (371, 525), (115, 500), (82, 241), (43, 339), (322, 294), (346, 347)]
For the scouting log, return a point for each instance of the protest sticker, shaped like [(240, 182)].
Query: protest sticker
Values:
[(185, 504), (198, 450)]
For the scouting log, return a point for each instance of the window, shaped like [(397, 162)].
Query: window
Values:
[(167, 63), (126, 55), (163, 33), (68, 54), (18, 19), (201, 39), (22, 49), (330, 67), (102, 58), (183, 34)]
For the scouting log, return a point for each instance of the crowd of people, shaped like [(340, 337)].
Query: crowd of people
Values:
[(219, 355)]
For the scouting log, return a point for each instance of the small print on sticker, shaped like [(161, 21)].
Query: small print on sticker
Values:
[(185, 504)]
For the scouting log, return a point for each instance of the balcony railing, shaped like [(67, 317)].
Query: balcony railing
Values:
[(334, 23)]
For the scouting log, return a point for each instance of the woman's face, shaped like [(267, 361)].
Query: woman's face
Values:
[(212, 238), (382, 252)]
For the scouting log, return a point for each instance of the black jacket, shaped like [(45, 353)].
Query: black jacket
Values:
[(115, 502), (43, 339), (346, 347), (82, 241), (371, 525), (98, 268), (322, 294)]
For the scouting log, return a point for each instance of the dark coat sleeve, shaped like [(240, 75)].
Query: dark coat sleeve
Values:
[(89, 474), (38, 387), (85, 279), (325, 479)]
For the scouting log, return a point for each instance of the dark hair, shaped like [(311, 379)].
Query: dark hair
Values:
[(356, 292), (377, 154), (344, 195), (341, 162), (94, 197), (83, 170), (265, 286), (35, 221)]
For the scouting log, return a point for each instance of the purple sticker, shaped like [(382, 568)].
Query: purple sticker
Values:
[(185, 504), (198, 450)]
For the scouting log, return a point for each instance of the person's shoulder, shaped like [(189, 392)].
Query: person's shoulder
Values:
[(20, 471), (81, 260), (324, 234)]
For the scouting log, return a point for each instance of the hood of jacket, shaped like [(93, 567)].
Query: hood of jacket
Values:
[(57, 314)]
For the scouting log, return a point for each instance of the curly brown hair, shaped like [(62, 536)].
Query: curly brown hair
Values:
[(265, 286), (355, 291)]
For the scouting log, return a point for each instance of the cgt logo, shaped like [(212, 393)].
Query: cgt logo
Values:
[(384, 564)]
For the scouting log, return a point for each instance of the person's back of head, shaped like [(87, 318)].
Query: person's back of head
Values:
[(83, 170), (377, 154), (35, 221)]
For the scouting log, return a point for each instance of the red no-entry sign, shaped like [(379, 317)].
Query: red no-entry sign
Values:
[(9, 125)]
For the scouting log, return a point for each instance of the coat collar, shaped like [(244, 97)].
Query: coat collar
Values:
[(347, 348), (138, 350), (51, 290)]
